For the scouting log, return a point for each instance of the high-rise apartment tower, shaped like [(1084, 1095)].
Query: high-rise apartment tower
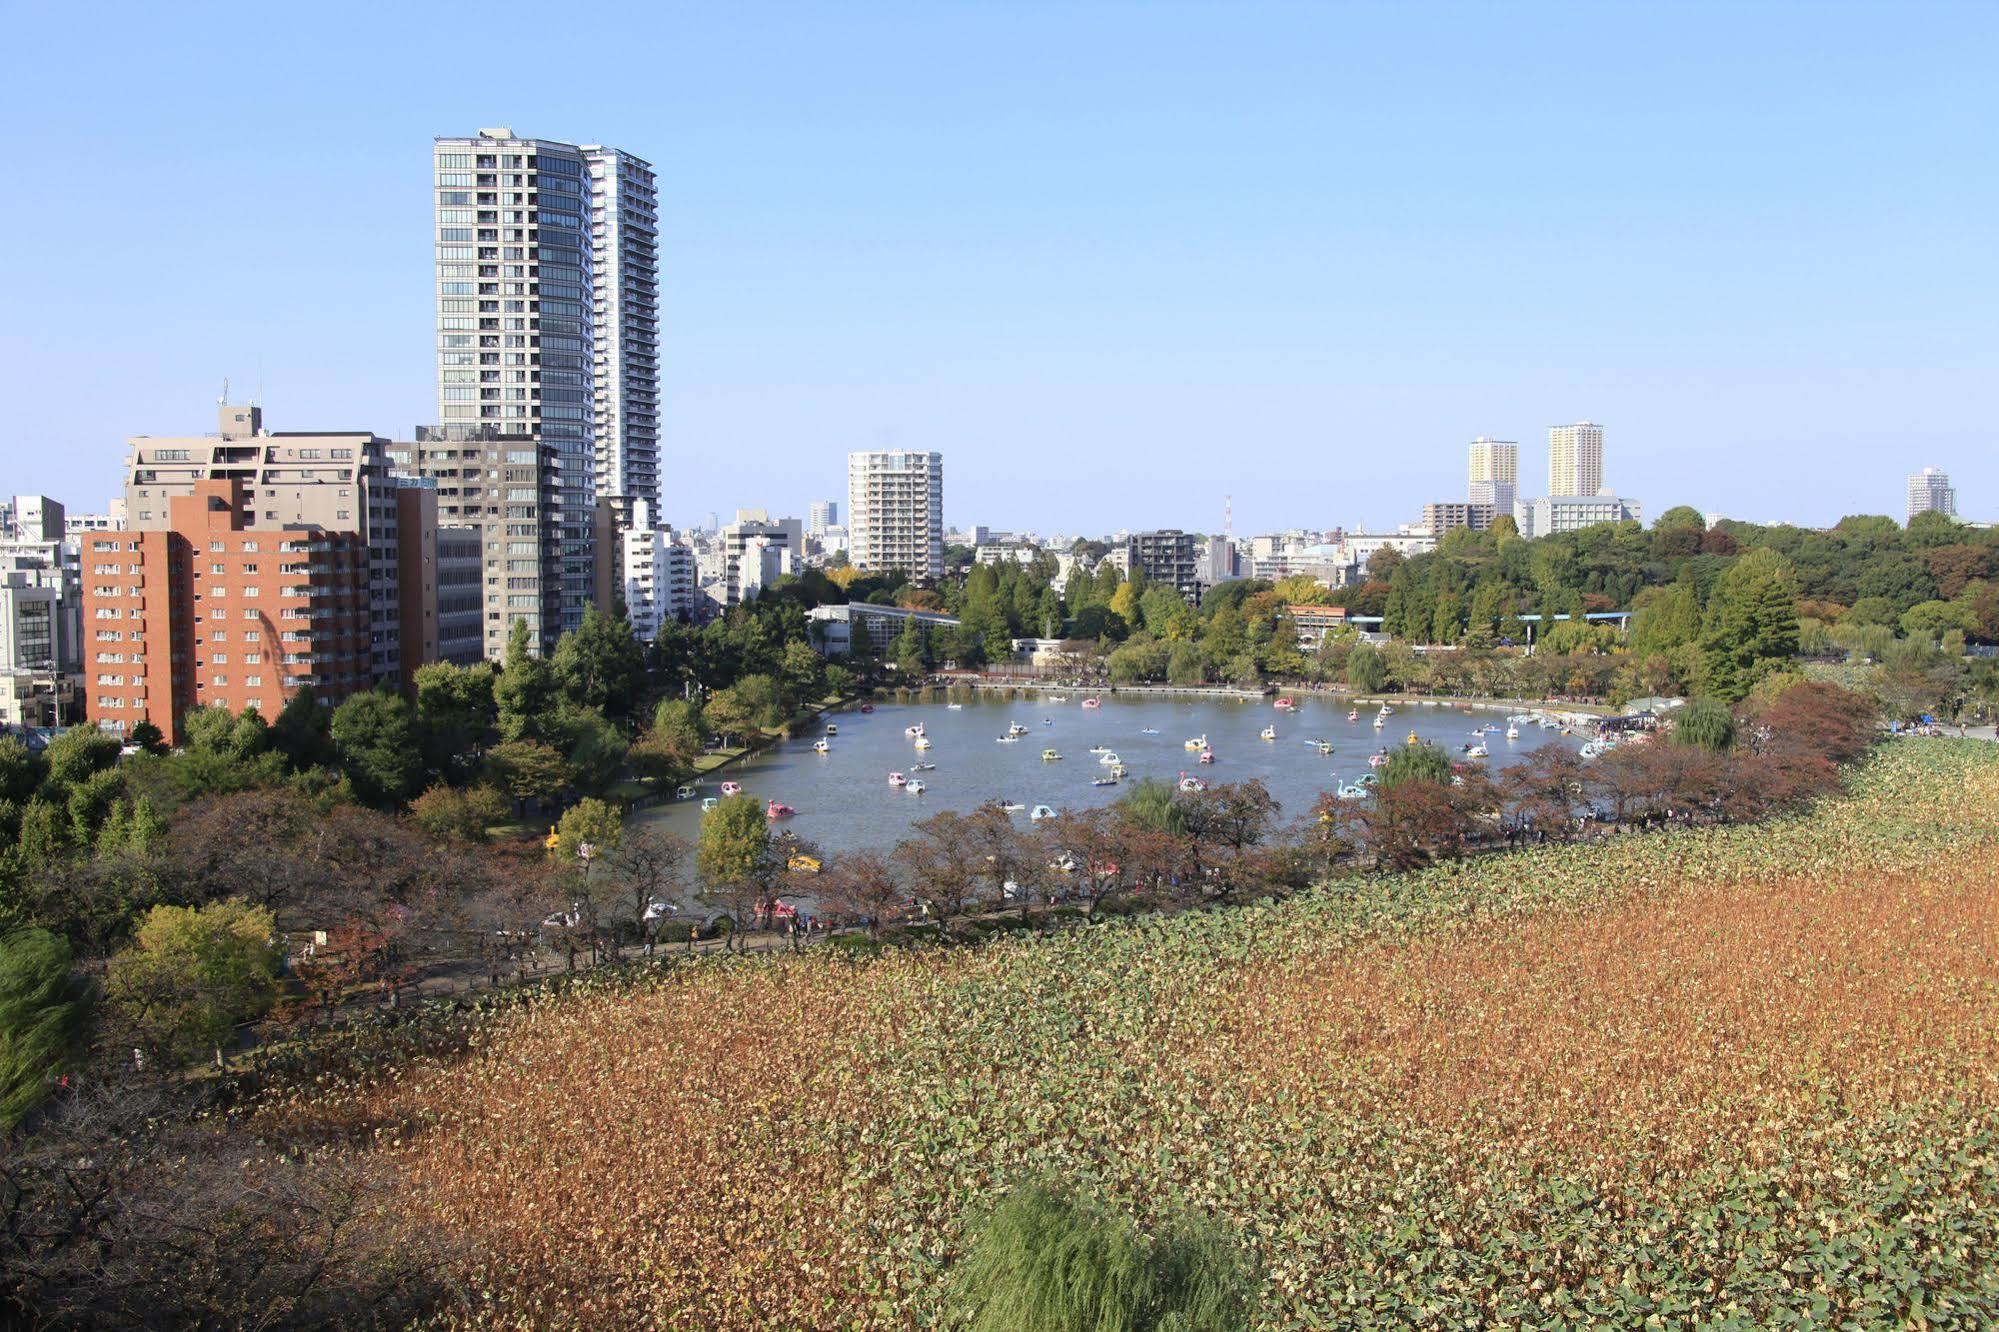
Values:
[(1494, 474), (1575, 459), (895, 512), (547, 363), (1930, 491)]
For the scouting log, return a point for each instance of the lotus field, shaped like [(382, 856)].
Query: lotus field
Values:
[(1735, 1077)]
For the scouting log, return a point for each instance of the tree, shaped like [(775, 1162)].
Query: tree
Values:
[(193, 973), (1365, 671), (911, 649), (374, 735), (646, 865), (467, 814), (82, 750), (43, 1009), (862, 886), (599, 664), (943, 869), (1751, 625), (149, 737), (1415, 763), (529, 770), (1705, 723), (524, 694), (737, 859), (302, 731), (1664, 619), (1045, 1259), (455, 713), (589, 824), (1152, 803), (804, 674)]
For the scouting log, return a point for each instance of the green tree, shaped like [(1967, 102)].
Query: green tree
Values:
[(1665, 619), (467, 814), (529, 769), (911, 649), (737, 859), (20, 771), (1415, 763), (600, 665), (524, 693), (455, 712), (589, 822), (303, 731), (1751, 625), (80, 751), (1705, 723), (149, 737), (43, 1010), (1189, 664), (804, 673), (1365, 670), (375, 738), (1045, 1259), (193, 973)]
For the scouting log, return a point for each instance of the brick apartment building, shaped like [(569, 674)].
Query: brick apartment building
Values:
[(255, 564)]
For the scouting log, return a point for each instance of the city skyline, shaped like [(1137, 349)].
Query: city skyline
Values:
[(1063, 295)]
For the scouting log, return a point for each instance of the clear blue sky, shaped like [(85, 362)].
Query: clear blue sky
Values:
[(1114, 260)]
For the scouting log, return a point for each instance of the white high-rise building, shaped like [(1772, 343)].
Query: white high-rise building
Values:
[(624, 255), (547, 289), (1930, 491), (895, 512), (824, 514), (1494, 475), (1575, 459), (660, 580)]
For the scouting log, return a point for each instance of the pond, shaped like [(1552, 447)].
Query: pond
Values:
[(844, 799)]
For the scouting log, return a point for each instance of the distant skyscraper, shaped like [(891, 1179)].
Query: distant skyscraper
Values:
[(1930, 492), (825, 514), (895, 512), (1575, 459), (547, 292), (1494, 473)]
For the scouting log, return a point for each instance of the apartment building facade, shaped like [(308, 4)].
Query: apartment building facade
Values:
[(1575, 459), (1930, 491), (254, 563), (895, 512), (1493, 473)]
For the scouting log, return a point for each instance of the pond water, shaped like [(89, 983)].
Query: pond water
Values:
[(844, 799)]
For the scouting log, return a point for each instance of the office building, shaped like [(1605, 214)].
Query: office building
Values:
[(1575, 459), (823, 514), (838, 629), (756, 552), (1572, 513), (895, 512), (1494, 474), (254, 563), (1930, 492)]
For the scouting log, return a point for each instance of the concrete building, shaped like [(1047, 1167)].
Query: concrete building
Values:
[(661, 582), (547, 316), (1493, 478), (502, 489), (1447, 515), (756, 552), (895, 512), (835, 629), (111, 520), (255, 563), (337, 480), (1167, 556), (1575, 459), (823, 514), (1572, 513), (1930, 491), (624, 286), (41, 592), (460, 566)]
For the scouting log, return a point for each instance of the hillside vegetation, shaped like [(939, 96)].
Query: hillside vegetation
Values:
[(1735, 1076)]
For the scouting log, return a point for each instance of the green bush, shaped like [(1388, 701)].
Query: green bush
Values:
[(1045, 1261)]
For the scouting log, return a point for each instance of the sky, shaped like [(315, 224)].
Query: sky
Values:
[(1114, 260)]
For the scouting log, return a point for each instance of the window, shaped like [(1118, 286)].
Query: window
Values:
[(252, 681)]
